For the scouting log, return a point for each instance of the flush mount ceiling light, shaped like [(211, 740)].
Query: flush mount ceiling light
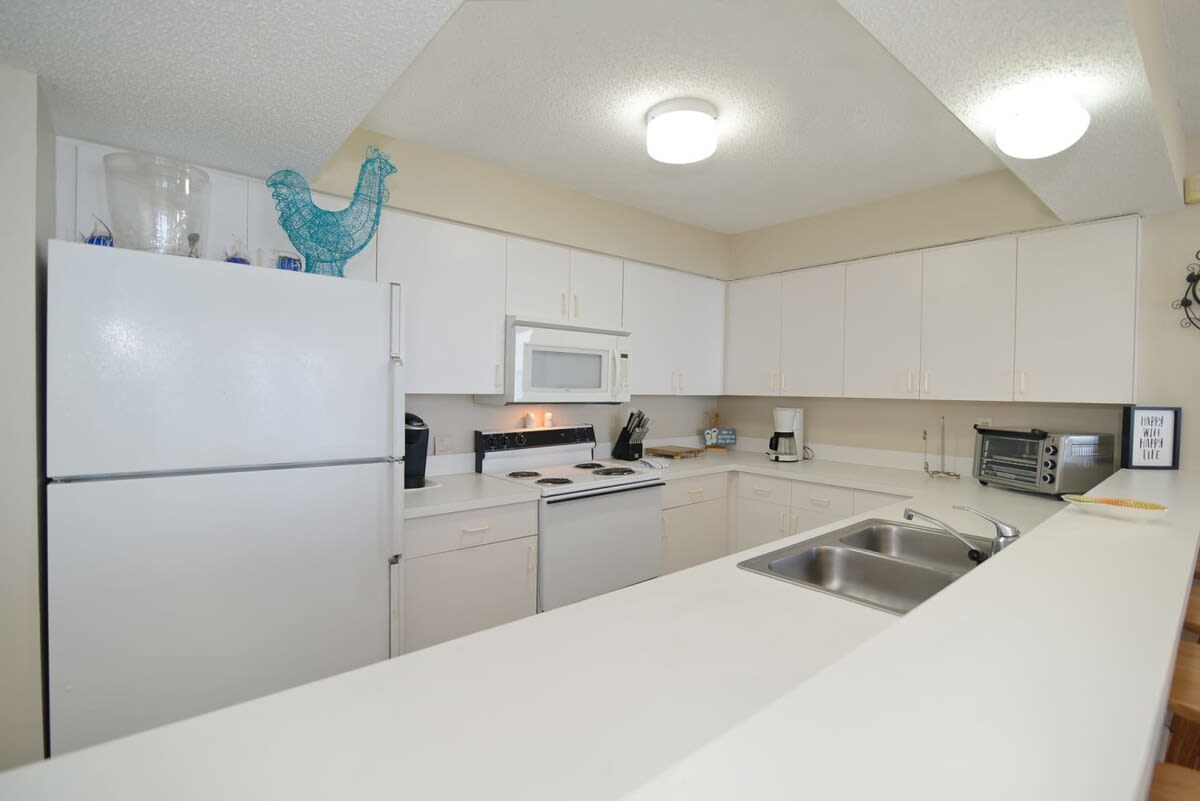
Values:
[(1041, 125), (681, 131)]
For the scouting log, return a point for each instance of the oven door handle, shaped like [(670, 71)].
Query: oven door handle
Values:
[(602, 491)]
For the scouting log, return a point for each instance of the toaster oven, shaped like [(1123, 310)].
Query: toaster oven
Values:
[(1039, 461)]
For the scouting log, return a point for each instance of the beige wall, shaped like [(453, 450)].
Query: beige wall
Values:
[(986, 205), (1168, 355), (20, 633), (456, 188), (896, 425), (455, 417)]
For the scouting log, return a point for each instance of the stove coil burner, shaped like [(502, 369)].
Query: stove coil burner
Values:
[(589, 466), (614, 471), (524, 474), (555, 481)]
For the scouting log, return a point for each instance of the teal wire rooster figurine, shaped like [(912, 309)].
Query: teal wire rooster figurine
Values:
[(328, 239)]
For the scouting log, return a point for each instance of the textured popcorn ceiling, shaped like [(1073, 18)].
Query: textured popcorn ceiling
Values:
[(813, 114), (1182, 22), (971, 54), (247, 86)]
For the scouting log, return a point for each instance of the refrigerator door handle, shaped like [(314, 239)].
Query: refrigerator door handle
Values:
[(396, 616), (397, 324)]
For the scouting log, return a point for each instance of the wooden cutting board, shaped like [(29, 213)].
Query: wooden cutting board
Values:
[(674, 451)]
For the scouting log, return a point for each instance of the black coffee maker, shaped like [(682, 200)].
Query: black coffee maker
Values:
[(416, 448)]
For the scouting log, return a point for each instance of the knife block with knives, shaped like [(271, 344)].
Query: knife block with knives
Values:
[(628, 446)]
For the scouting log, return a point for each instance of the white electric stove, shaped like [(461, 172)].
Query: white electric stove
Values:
[(599, 521)]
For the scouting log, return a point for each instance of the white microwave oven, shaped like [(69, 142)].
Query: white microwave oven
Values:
[(553, 363)]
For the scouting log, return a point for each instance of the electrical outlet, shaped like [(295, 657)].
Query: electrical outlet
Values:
[(983, 421), (441, 445)]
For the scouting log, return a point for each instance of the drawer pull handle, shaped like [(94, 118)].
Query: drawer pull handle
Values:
[(762, 491), (696, 491), (532, 558), (475, 529), (819, 501)]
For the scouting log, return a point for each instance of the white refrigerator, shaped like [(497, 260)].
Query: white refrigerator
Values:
[(224, 506)]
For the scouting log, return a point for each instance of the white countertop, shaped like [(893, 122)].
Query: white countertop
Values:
[(1052, 658), (463, 492)]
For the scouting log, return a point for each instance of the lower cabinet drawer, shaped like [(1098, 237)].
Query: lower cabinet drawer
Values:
[(456, 593), (764, 488), (681, 491), (837, 501), (429, 535)]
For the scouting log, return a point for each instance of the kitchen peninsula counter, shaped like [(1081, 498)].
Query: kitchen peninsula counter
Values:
[(1040, 675)]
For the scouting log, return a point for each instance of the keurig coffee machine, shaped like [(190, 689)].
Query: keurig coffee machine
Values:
[(416, 448)]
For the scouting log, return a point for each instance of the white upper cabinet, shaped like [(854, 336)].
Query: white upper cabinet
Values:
[(539, 280), (752, 336), (1075, 324), (813, 324), (452, 279), (596, 289), (551, 283), (883, 327), (676, 321), (969, 301)]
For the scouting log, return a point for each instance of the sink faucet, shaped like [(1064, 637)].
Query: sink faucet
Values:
[(1006, 533), (974, 554)]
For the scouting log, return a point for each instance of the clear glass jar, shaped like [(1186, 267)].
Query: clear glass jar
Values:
[(156, 202)]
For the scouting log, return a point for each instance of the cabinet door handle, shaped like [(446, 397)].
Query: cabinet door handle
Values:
[(782, 381), (763, 491), (679, 387), (674, 381), (499, 376), (475, 529), (782, 522), (795, 524), (925, 388), (909, 390), (1022, 382), (577, 307), (532, 564), (564, 305), (773, 379), (822, 502)]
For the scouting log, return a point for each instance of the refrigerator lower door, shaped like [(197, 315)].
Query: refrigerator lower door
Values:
[(173, 596)]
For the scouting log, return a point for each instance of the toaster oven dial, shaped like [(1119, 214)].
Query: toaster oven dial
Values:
[(1048, 478), (1049, 464), (1051, 450)]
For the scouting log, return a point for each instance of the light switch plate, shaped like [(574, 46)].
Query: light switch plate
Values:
[(441, 445), (1191, 189)]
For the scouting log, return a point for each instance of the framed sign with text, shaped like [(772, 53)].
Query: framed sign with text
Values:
[(1150, 437)]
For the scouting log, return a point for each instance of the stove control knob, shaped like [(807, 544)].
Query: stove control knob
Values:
[(1051, 450), (503, 440), (519, 440), (489, 442), (1049, 464)]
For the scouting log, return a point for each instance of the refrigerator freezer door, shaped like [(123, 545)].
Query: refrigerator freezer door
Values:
[(160, 363), (173, 596)]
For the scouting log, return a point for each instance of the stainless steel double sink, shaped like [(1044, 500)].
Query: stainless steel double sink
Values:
[(880, 563)]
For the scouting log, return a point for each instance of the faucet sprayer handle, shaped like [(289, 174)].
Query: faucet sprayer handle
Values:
[(1004, 531)]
